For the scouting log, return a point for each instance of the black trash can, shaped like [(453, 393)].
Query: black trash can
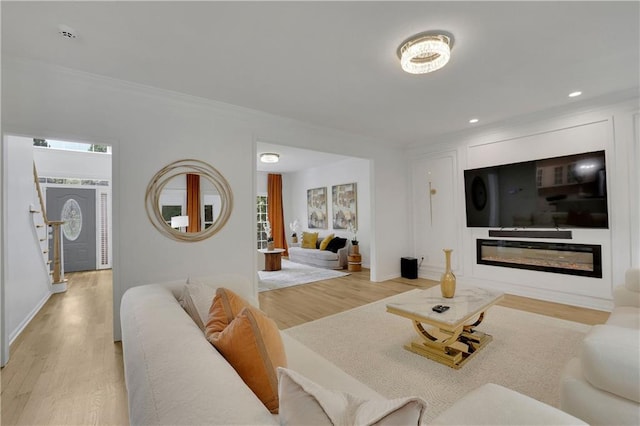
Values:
[(409, 267)]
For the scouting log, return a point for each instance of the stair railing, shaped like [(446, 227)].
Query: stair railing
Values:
[(58, 266)]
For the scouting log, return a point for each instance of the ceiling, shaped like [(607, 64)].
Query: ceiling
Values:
[(334, 64), (293, 159)]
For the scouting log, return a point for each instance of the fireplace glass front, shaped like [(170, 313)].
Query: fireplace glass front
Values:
[(561, 258)]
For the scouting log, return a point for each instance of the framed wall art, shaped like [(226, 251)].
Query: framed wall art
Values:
[(345, 206), (317, 208)]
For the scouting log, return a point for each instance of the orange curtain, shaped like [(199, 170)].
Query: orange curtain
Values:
[(193, 202), (275, 213)]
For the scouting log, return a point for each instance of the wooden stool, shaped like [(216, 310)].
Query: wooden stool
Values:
[(355, 262)]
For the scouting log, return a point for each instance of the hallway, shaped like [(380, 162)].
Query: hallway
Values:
[(65, 368)]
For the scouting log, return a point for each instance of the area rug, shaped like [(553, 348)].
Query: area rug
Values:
[(294, 274), (527, 354)]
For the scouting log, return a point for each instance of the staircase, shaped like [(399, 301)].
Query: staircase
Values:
[(46, 230)]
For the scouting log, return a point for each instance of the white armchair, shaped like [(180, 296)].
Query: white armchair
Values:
[(602, 386)]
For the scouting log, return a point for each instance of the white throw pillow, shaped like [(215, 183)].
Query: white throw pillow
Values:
[(303, 402), (196, 300), (198, 294)]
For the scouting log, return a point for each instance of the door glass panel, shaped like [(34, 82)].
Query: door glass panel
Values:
[(72, 216)]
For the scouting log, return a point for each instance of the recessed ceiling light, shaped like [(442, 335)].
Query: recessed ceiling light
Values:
[(473, 121), (269, 157), (574, 94)]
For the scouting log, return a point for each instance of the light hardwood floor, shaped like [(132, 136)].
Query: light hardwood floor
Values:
[(65, 368), (297, 305)]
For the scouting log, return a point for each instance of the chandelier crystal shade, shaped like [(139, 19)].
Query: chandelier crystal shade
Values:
[(269, 157), (425, 53)]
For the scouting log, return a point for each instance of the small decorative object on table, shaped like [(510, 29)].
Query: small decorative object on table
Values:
[(448, 280), (294, 228), (267, 230), (355, 249)]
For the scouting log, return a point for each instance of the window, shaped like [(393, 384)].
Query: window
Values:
[(261, 209), (211, 205), (208, 215), (169, 211), (539, 174), (557, 175), (571, 173), (71, 146)]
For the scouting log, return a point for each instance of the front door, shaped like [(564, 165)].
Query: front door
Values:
[(77, 207)]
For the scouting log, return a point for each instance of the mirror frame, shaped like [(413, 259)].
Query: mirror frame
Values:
[(183, 167)]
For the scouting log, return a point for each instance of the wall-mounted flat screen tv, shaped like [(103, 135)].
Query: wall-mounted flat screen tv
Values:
[(559, 192)]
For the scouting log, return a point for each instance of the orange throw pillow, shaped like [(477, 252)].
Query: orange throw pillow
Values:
[(251, 343), (225, 307)]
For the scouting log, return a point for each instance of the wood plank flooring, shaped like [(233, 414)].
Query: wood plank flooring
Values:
[(296, 305), (65, 368)]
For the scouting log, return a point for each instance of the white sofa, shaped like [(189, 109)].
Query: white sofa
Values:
[(602, 386), (175, 377), (320, 258)]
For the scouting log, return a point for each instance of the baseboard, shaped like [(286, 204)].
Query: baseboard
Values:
[(387, 278), (60, 287), (23, 324)]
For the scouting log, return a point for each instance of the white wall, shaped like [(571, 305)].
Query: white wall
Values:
[(325, 176), (72, 164), (634, 188), (605, 127), (148, 129), (27, 285), (262, 179)]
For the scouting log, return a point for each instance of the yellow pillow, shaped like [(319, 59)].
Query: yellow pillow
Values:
[(326, 241), (251, 343), (309, 239), (225, 307)]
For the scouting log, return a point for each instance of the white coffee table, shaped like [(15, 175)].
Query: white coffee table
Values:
[(449, 337)]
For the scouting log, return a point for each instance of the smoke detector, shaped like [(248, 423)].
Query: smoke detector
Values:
[(67, 32)]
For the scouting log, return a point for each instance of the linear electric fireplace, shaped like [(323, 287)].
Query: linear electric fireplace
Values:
[(562, 258)]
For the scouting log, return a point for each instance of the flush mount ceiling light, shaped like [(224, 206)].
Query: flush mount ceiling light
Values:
[(269, 157), (425, 52), (574, 94)]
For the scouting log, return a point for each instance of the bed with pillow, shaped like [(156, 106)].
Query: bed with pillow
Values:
[(201, 352), (321, 251)]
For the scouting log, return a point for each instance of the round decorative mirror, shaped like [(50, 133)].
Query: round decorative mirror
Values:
[(188, 200)]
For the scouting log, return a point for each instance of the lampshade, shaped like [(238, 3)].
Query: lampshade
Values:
[(269, 157), (425, 53), (179, 221)]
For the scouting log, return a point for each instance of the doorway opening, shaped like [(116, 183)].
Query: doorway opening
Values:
[(48, 181), (306, 172)]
